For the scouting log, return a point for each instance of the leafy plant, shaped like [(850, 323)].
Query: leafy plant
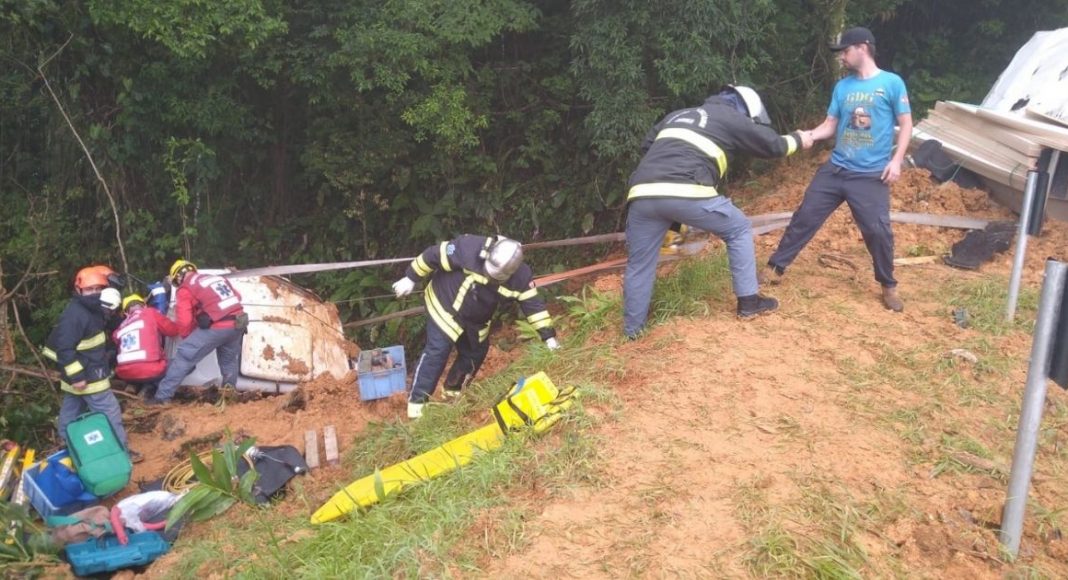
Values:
[(26, 544), (218, 486)]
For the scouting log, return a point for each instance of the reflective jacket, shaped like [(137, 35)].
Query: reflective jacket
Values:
[(140, 342), (686, 154), (462, 297), (205, 294), (78, 346)]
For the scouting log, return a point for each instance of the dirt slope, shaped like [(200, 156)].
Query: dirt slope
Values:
[(749, 444)]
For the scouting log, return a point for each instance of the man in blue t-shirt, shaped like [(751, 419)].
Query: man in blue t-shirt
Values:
[(864, 108)]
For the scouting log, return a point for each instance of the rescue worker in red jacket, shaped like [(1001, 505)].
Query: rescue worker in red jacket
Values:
[(139, 337), (209, 317), (78, 346), (469, 277)]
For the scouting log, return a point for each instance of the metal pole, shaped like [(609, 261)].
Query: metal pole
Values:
[(1023, 456), (1021, 245)]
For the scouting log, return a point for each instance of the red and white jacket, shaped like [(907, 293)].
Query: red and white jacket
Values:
[(140, 342), (209, 294)]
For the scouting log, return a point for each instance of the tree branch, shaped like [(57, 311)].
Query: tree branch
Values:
[(100, 178)]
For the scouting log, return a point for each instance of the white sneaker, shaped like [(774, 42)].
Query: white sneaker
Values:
[(451, 395), (415, 410)]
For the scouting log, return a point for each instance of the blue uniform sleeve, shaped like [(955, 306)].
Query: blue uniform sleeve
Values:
[(436, 257)]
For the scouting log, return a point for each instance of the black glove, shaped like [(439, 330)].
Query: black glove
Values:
[(203, 321)]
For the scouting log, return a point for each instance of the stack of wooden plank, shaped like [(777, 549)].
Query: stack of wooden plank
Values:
[(1001, 147), (986, 141)]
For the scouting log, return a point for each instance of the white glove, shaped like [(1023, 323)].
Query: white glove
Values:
[(110, 298), (403, 287), (552, 343)]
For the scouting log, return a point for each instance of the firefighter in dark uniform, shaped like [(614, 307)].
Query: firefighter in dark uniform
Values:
[(684, 159), (78, 346), (469, 277)]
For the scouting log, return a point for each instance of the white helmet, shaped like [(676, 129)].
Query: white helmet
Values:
[(752, 103), (110, 298), (503, 258)]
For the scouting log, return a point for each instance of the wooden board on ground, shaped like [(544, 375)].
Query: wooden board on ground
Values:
[(330, 445), (311, 449)]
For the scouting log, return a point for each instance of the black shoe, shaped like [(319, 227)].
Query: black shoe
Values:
[(154, 402), (755, 304)]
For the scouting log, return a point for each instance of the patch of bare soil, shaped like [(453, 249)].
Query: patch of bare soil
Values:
[(730, 425)]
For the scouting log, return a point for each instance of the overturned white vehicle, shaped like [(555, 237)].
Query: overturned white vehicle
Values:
[(293, 337)]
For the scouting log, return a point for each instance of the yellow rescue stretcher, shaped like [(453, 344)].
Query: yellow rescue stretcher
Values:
[(534, 402)]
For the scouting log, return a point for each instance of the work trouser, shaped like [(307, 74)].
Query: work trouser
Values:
[(648, 219), (102, 402), (470, 353), (869, 201), (226, 342)]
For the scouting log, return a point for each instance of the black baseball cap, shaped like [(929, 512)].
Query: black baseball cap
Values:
[(858, 35)]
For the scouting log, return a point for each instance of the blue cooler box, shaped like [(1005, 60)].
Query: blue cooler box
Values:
[(381, 382)]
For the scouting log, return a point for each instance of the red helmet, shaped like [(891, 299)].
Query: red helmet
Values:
[(92, 276)]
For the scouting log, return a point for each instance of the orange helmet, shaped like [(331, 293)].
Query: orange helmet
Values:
[(92, 276)]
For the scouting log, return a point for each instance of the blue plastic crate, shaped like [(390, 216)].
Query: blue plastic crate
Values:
[(376, 384), (46, 506)]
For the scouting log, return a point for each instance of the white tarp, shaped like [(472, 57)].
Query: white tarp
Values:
[(1036, 79)]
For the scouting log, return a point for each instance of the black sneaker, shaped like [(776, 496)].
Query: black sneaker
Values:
[(154, 402), (755, 304)]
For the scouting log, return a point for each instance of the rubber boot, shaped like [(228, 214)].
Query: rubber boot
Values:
[(755, 304), (891, 300), (415, 410)]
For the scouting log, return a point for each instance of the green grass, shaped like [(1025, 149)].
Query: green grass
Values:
[(441, 528), (984, 301), (697, 286)]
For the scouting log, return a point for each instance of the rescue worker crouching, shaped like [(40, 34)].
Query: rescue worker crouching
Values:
[(684, 158), (209, 317), (139, 338), (469, 277), (78, 345)]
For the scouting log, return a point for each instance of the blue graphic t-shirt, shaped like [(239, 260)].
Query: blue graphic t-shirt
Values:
[(867, 110)]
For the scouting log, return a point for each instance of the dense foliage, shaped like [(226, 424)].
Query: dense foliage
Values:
[(248, 132)]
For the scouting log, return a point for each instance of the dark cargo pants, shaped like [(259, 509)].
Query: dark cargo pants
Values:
[(469, 357), (869, 201)]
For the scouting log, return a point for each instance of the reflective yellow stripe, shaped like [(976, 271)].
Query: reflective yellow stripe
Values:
[(90, 388), (445, 265), (701, 142), (538, 316), (540, 320), (443, 318), (49, 354), (689, 190), (462, 292), (92, 342), (791, 144), (74, 367), (420, 266), (532, 293), (483, 333), (507, 293), (478, 277)]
